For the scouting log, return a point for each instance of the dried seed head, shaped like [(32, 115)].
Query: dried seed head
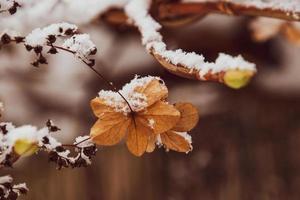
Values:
[(5, 38)]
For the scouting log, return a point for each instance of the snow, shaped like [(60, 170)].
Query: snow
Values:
[(136, 100), (81, 44), (19, 186), (32, 13), (26, 132), (5, 179), (79, 140), (6, 4), (39, 37), (159, 141), (138, 12), (151, 123)]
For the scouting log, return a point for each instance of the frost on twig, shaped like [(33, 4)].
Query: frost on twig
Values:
[(8, 191), (44, 40)]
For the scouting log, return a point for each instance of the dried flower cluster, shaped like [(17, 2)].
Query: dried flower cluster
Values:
[(44, 40), (17, 142), (27, 140), (8, 191), (146, 119)]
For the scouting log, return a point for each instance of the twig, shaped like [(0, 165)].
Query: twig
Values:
[(111, 84)]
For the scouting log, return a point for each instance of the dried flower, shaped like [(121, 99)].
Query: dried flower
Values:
[(149, 116)]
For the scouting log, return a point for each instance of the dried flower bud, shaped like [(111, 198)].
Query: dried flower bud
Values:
[(91, 62), (12, 10), (69, 31), (60, 149), (38, 49), (52, 50), (5, 38), (42, 60), (94, 51), (28, 47), (35, 64), (19, 39), (51, 38)]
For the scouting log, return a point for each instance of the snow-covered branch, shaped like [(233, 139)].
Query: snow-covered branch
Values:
[(16, 142), (44, 40)]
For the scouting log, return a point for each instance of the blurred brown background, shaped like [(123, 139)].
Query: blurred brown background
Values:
[(246, 145)]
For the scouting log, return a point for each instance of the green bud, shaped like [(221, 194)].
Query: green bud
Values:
[(24, 147), (237, 79)]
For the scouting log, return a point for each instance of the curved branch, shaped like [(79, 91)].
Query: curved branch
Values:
[(169, 11)]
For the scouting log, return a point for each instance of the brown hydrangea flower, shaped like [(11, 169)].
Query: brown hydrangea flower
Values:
[(148, 116)]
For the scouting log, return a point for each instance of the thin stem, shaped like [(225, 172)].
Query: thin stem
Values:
[(111, 85), (76, 144)]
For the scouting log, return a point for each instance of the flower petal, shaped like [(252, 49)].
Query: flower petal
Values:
[(138, 136), (110, 129), (151, 143), (176, 142), (189, 117), (100, 108), (154, 91), (162, 116)]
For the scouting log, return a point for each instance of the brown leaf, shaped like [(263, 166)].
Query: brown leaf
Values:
[(99, 107), (110, 129), (173, 141), (189, 117), (164, 116), (138, 135), (154, 91)]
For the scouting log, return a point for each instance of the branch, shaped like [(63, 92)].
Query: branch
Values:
[(233, 71), (177, 10)]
